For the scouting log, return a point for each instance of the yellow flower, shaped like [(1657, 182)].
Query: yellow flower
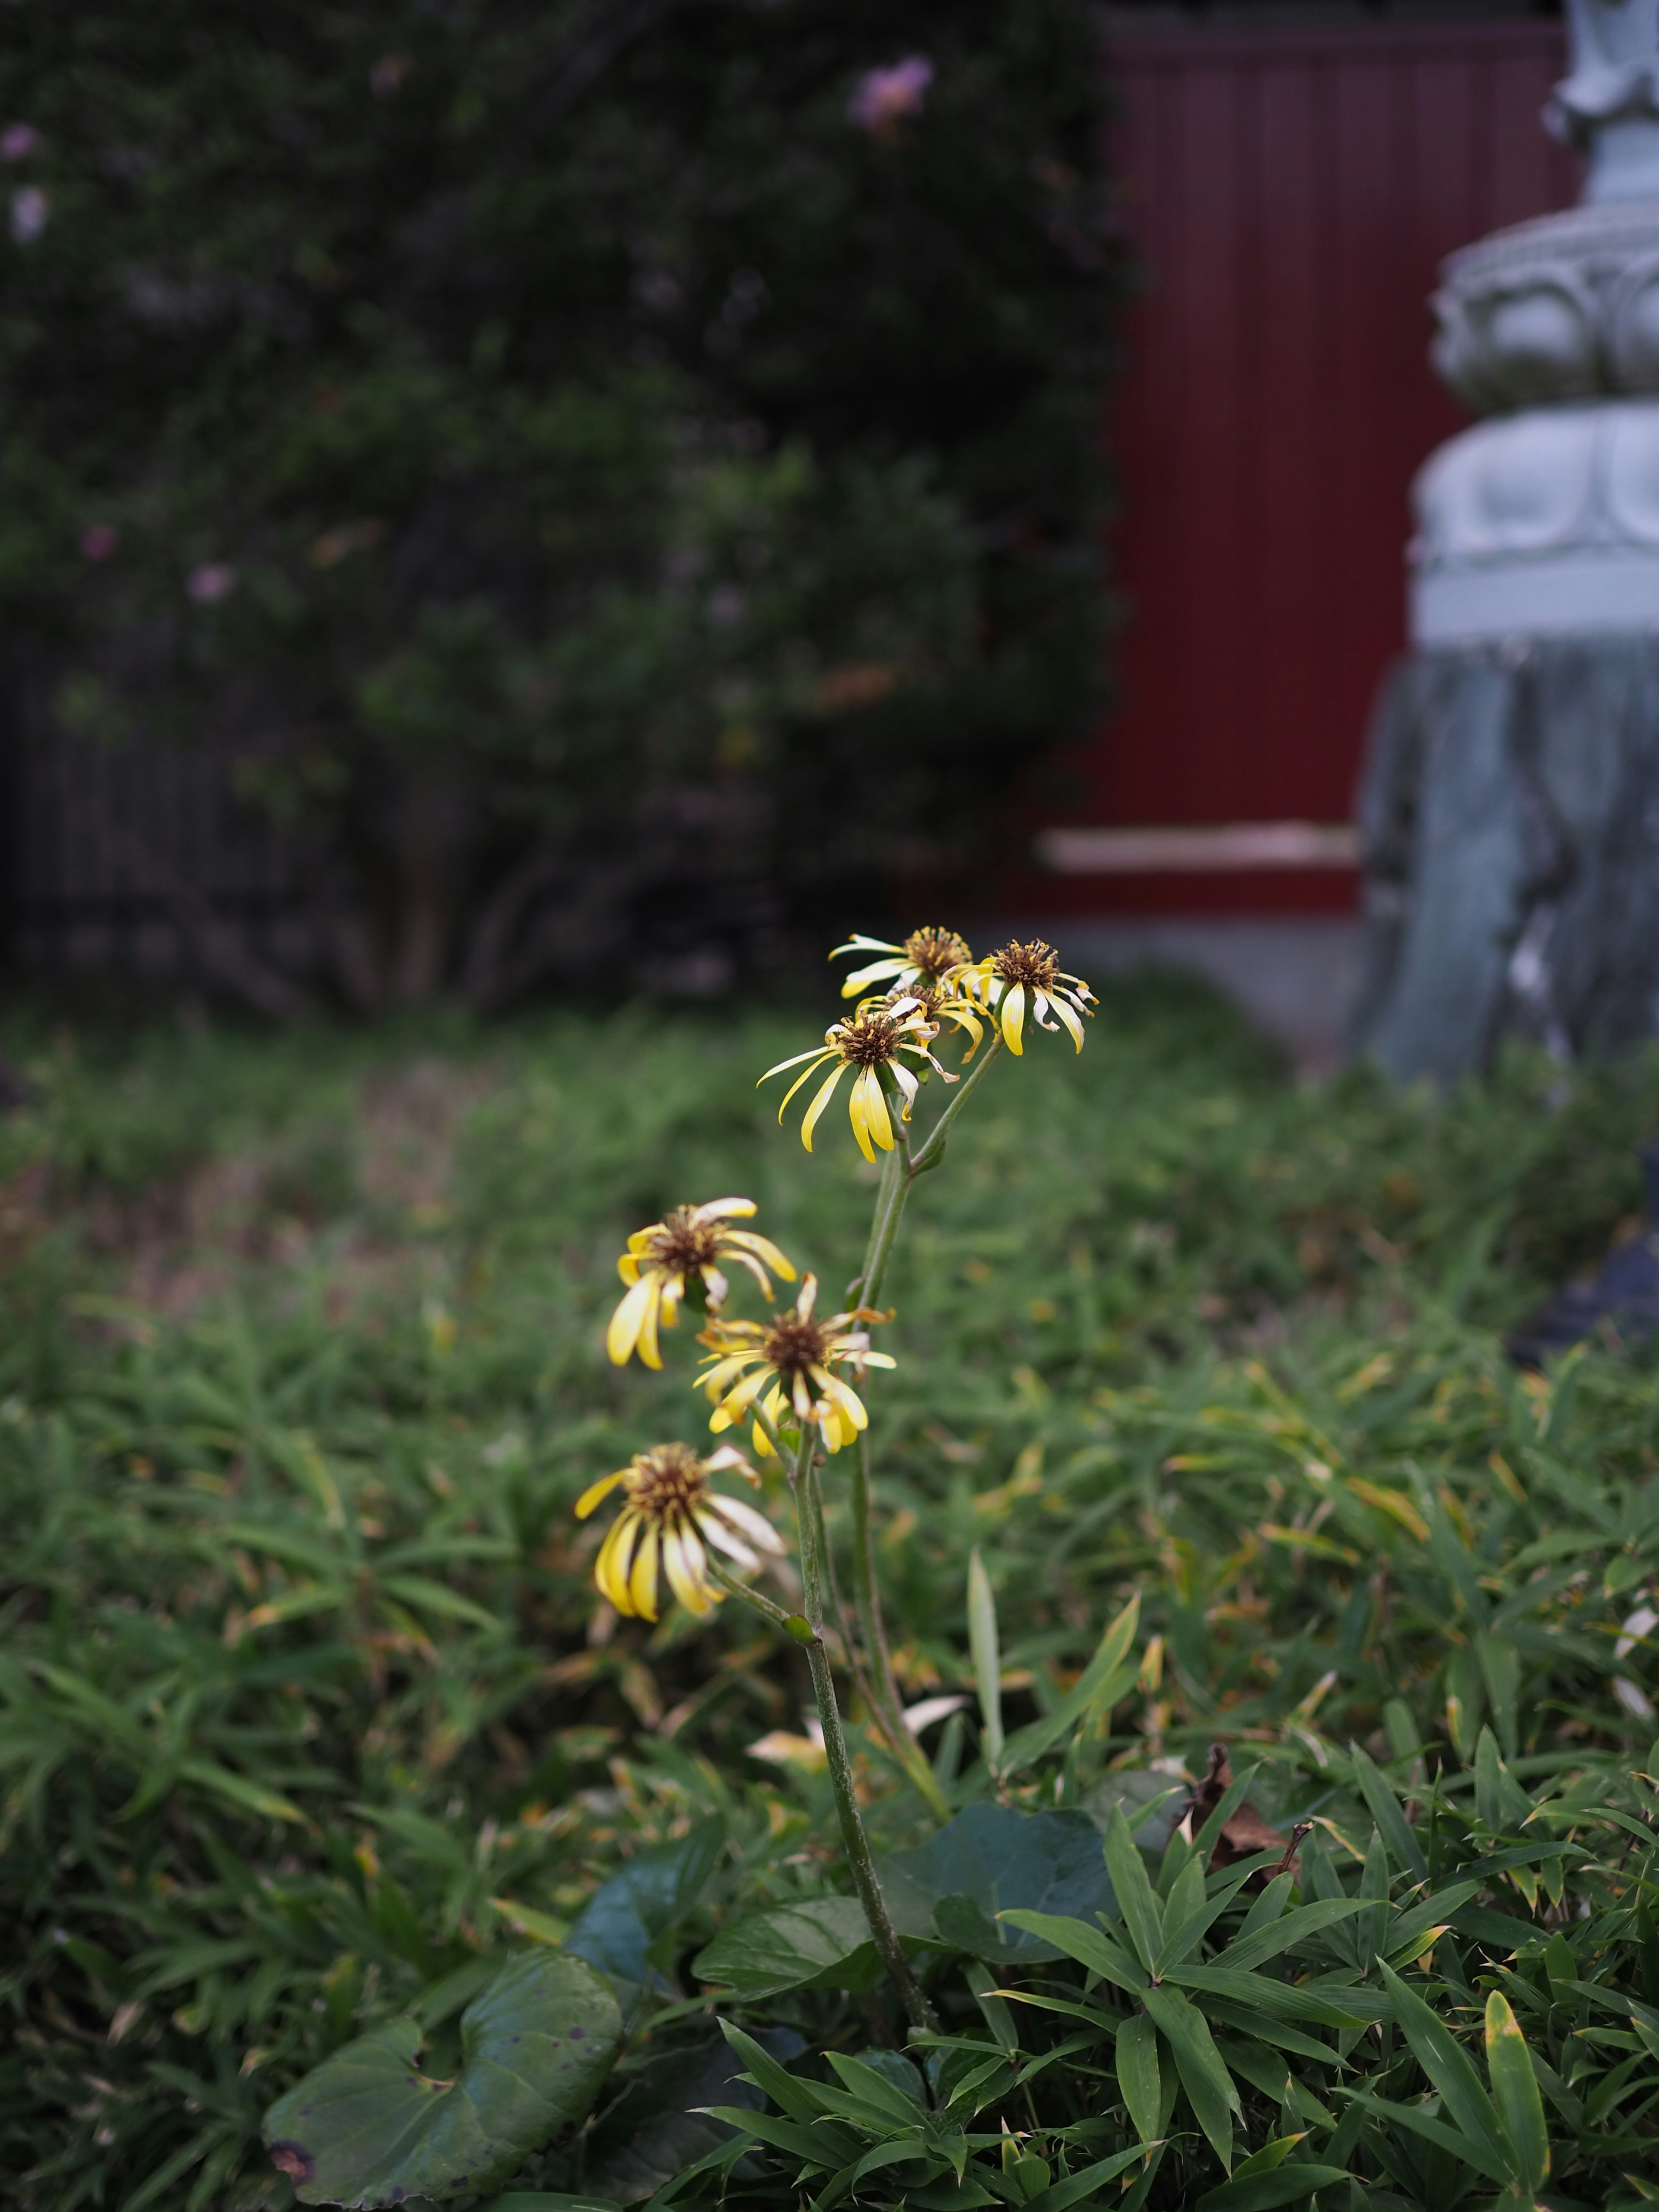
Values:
[(669, 1512), (926, 956), (1029, 978), (688, 1241), (939, 1003), (792, 1358), (873, 1039)]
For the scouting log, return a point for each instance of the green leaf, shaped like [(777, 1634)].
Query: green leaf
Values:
[(991, 1858), (1385, 1810), (1286, 1932), (1090, 1947), (796, 2098), (366, 2128), (821, 1943), (1203, 2071), (660, 2123), (1451, 2140), (1450, 2070), (988, 1664), (1097, 1689), (1137, 2074), (1061, 2195), (630, 1914), (1515, 2093), (1137, 1900), (1261, 2192), (1327, 2006)]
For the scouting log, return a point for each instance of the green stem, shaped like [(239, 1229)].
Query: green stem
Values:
[(891, 1164), (934, 1150), (917, 2009), (764, 1606), (885, 1701)]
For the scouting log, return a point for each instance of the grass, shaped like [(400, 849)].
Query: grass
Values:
[(305, 1703)]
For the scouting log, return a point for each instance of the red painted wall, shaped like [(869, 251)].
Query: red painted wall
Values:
[(1290, 194)]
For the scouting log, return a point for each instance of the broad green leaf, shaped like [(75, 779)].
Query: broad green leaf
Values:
[(1327, 2006), (1450, 2070), (987, 1859), (368, 2128), (822, 1943), (1500, 1664), (987, 1662), (1451, 2140), (1060, 2195), (1137, 1900), (1262, 2191), (1501, 1804), (1137, 2074), (628, 1915), (548, 2200), (1287, 1931), (1090, 1947), (1515, 2093), (1203, 2071), (1101, 1684), (1266, 2029)]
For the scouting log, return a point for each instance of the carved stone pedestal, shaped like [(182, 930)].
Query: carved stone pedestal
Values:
[(1510, 815)]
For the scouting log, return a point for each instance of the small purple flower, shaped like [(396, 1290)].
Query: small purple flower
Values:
[(213, 581), (18, 141), (30, 212), (883, 97), (99, 542), (385, 78)]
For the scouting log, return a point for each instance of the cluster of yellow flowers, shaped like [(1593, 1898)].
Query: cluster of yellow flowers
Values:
[(796, 1372), (931, 978)]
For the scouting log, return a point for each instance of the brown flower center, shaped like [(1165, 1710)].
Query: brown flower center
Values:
[(1035, 965), (793, 1345), (665, 1481), (683, 1244), (868, 1040), (935, 951)]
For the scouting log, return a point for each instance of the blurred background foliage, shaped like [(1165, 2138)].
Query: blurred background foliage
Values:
[(306, 1705), (602, 475)]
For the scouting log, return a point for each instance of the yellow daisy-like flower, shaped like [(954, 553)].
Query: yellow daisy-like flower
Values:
[(792, 1358), (926, 956), (669, 1515), (1025, 979), (873, 1039), (689, 1241), (939, 1003)]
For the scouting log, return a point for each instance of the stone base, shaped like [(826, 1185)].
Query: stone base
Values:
[(1509, 821)]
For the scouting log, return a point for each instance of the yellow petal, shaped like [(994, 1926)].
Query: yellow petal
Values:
[(817, 1059), (627, 1266), (623, 1334), (1070, 1020), (725, 1209), (818, 1104), (875, 1107), (647, 1345), (596, 1491), (610, 1568), (753, 1522), (1013, 1019), (642, 1581), (857, 1113), (716, 1532), (687, 1570)]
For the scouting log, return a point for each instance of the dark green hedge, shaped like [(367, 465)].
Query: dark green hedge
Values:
[(570, 458)]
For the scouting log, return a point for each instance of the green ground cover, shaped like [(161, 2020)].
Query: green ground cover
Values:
[(306, 1710)]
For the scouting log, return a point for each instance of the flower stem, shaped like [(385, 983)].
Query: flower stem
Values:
[(934, 1150), (917, 2009)]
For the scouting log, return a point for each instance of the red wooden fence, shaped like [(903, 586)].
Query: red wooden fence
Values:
[(1290, 194)]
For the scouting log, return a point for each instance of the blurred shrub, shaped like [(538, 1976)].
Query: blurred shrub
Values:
[(598, 475)]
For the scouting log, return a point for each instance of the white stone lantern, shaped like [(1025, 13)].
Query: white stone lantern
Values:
[(1509, 814)]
